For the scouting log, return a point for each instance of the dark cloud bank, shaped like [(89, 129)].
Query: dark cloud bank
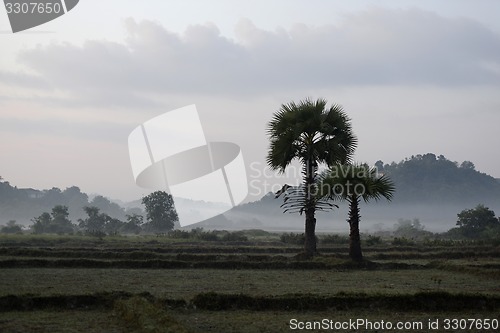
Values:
[(388, 47)]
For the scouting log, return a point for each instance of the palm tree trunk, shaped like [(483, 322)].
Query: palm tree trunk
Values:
[(310, 209), (310, 234), (354, 238)]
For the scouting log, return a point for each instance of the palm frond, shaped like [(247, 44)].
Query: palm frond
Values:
[(295, 197), (340, 182)]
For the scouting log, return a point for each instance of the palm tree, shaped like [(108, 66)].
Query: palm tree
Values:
[(313, 134), (353, 183)]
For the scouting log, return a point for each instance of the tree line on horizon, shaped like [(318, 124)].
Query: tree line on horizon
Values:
[(475, 224), (419, 179), (23, 204), (161, 217)]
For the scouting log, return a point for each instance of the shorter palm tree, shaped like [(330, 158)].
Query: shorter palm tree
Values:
[(353, 183)]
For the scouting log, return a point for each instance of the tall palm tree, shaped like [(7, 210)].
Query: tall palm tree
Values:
[(313, 134), (353, 183)]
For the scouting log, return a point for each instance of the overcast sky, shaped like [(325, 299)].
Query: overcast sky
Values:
[(415, 77)]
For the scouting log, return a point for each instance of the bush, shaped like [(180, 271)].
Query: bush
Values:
[(179, 234), (95, 233), (11, 228), (237, 236), (411, 229), (373, 240), (334, 239), (292, 238), (256, 233), (403, 241), (210, 236)]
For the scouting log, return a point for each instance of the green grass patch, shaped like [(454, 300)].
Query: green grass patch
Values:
[(186, 283), (141, 314), (61, 321)]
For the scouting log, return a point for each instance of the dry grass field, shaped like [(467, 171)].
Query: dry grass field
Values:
[(155, 284)]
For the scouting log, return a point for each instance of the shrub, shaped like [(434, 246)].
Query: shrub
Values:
[(373, 240), (210, 236), (411, 229), (334, 239), (292, 238), (236, 236), (11, 228), (403, 241), (95, 233), (256, 233), (179, 234)]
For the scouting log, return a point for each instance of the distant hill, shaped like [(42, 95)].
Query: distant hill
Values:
[(424, 179)]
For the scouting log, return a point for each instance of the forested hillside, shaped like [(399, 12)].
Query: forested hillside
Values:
[(23, 205), (434, 179)]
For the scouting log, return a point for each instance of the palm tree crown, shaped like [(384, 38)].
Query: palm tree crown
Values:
[(309, 132), (354, 182)]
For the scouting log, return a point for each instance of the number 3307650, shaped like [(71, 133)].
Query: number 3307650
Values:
[(33, 7)]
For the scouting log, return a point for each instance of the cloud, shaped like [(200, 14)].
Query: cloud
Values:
[(373, 47), (23, 80)]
